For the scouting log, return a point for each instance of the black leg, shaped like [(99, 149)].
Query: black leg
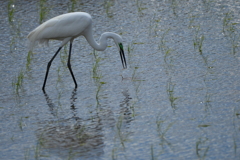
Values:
[(69, 65), (48, 67)]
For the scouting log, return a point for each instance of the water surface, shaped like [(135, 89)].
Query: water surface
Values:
[(178, 98)]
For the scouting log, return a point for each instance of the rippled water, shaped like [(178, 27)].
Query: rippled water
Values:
[(178, 98)]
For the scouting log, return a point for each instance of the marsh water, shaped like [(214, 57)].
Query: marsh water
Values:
[(179, 98)]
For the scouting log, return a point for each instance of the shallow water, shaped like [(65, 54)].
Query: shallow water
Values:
[(178, 98)]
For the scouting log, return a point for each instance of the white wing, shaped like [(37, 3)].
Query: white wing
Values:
[(70, 25)]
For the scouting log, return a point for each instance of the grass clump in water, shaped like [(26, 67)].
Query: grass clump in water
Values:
[(230, 30), (161, 130), (18, 82), (227, 25), (29, 59), (167, 51), (202, 148), (11, 10), (21, 124), (198, 41), (73, 6), (97, 75), (170, 92), (123, 136), (43, 10), (107, 5), (140, 7)]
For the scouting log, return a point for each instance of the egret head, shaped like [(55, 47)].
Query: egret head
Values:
[(118, 40)]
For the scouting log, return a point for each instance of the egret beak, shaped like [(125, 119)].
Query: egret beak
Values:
[(122, 56)]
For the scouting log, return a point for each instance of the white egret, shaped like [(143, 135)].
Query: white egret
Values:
[(65, 28)]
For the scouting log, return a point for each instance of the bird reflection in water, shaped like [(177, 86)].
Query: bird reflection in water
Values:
[(125, 107), (75, 135)]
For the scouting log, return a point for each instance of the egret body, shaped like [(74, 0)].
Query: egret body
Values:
[(66, 28)]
